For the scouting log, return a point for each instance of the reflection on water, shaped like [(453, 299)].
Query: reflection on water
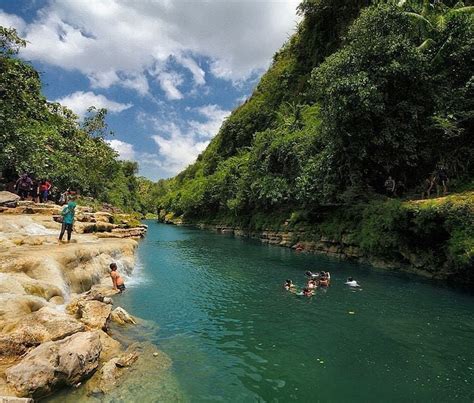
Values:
[(233, 334)]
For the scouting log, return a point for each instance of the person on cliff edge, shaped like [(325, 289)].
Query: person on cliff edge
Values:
[(68, 220)]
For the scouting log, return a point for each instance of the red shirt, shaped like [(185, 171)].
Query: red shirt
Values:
[(45, 186)]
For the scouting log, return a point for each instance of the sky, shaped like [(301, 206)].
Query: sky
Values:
[(168, 71)]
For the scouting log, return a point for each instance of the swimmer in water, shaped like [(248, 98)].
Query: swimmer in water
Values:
[(117, 280), (311, 284), (307, 292), (324, 279), (311, 274), (351, 282), (289, 286)]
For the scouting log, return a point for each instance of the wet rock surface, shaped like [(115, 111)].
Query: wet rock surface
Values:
[(122, 317)]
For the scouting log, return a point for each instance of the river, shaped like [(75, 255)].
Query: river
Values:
[(234, 334)]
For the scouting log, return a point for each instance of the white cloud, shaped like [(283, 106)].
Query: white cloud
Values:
[(169, 82), (113, 42), (11, 20), (176, 149), (193, 67), (124, 150), (80, 101), (214, 118), (180, 142)]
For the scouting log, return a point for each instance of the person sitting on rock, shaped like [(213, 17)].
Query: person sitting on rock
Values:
[(117, 280)]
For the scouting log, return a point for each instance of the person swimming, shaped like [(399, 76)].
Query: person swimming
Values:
[(351, 282), (117, 280), (312, 284), (324, 279), (311, 274), (288, 286), (307, 292)]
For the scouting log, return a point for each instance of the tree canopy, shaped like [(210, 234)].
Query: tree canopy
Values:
[(363, 90)]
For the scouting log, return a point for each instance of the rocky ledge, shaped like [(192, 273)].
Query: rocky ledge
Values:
[(49, 349), (56, 303)]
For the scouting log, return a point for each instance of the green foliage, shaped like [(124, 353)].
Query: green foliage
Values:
[(352, 97), (381, 226), (46, 140)]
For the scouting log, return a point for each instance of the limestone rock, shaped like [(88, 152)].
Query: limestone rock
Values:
[(134, 233), (126, 360), (11, 399), (8, 199), (94, 314), (122, 317), (38, 327), (141, 357), (56, 363), (89, 227), (103, 216), (111, 348)]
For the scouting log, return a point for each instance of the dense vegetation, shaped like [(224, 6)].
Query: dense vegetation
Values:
[(363, 90), (47, 140), (360, 92)]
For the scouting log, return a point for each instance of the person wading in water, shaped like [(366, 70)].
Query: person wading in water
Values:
[(117, 280), (68, 220)]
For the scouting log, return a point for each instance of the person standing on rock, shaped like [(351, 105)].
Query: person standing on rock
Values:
[(44, 188), (23, 186), (68, 220), (117, 280)]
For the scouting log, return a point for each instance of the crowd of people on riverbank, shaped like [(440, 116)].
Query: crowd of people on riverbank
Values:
[(38, 191), (314, 281), (438, 180), (42, 191)]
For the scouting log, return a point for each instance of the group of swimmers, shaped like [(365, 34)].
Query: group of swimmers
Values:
[(314, 281)]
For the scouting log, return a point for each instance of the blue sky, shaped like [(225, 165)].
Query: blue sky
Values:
[(168, 71)]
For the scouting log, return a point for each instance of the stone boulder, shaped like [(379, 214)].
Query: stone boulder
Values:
[(122, 317), (107, 378), (38, 327), (8, 199), (94, 314), (134, 233), (103, 216), (54, 364)]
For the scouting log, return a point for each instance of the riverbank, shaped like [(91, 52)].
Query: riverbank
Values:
[(433, 238), (57, 303)]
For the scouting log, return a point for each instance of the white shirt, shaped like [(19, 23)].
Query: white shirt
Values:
[(352, 283)]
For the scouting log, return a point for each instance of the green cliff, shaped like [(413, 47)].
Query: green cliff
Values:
[(362, 91)]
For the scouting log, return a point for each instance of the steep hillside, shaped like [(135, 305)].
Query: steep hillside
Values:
[(362, 91)]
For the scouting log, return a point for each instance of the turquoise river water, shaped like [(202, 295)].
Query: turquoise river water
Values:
[(233, 334)]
